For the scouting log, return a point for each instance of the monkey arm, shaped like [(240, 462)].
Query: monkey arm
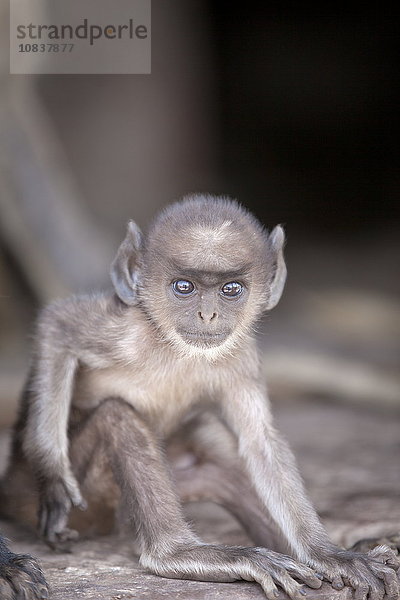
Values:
[(45, 443), (273, 473), (45, 440), (47, 399)]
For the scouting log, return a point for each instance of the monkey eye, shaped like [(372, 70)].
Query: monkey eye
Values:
[(232, 289), (182, 287)]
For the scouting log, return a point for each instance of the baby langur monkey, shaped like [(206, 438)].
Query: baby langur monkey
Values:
[(115, 375)]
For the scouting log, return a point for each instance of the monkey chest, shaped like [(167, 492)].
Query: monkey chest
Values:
[(162, 397)]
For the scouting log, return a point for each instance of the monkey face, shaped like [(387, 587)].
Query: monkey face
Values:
[(207, 307), (203, 274), (203, 313), (211, 291)]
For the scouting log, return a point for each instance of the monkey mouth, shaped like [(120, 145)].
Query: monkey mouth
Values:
[(204, 339)]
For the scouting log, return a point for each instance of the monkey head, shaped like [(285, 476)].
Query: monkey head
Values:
[(204, 273)]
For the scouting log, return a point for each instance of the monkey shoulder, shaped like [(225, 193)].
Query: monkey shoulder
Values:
[(96, 328), (68, 312)]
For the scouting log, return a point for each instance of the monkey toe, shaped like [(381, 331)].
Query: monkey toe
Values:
[(269, 588), (386, 555), (292, 577), (365, 545), (22, 578), (361, 592), (62, 541), (384, 562), (390, 582), (293, 589), (297, 571), (371, 576), (67, 535), (307, 576)]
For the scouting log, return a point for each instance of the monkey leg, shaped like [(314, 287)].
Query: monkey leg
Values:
[(230, 488), (168, 546), (213, 471)]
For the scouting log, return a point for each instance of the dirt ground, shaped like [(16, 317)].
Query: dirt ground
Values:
[(349, 457)]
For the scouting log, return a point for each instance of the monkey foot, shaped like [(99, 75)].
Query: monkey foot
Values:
[(208, 562), (62, 541), (371, 575), (365, 545), (21, 577)]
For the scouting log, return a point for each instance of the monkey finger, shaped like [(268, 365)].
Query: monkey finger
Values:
[(268, 586), (306, 575), (346, 581), (337, 582), (294, 590)]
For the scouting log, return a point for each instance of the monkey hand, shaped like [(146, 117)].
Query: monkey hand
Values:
[(57, 497), (21, 577), (372, 575), (206, 562)]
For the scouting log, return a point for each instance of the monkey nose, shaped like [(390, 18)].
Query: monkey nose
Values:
[(206, 316)]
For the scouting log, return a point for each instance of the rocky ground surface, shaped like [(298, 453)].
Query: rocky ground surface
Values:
[(349, 457)]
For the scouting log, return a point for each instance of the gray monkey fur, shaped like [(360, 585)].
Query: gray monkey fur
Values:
[(115, 376)]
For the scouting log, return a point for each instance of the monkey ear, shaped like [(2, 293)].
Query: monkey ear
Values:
[(276, 242), (125, 267)]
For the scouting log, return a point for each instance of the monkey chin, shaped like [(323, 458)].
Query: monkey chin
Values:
[(210, 348), (204, 340)]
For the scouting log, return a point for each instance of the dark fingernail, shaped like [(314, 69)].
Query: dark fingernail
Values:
[(338, 586), (303, 592), (319, 575)]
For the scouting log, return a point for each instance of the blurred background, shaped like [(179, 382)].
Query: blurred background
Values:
[(292, 113)]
